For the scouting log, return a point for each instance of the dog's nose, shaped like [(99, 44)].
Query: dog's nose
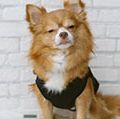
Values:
[(63, 35)]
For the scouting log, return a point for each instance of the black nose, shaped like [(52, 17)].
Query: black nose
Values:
[(63, 35)]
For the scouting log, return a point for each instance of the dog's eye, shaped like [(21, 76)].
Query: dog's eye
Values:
[(71, 26), (51, 30)]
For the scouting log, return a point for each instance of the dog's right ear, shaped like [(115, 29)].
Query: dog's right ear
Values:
[(34, 14), (76, 6)]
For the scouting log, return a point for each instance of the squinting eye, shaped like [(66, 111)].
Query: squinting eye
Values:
[(70, 27), (50, 31)]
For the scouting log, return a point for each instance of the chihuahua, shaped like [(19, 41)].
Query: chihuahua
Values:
[(60, 53)]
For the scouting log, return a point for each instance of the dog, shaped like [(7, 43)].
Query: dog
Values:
[(60, 53)]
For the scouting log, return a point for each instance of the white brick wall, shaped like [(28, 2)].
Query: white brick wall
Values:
[(16, 73), (6, 47), (106, 3)]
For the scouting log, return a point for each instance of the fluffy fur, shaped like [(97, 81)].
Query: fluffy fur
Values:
[(58, 59)]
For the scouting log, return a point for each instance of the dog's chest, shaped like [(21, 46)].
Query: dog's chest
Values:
[(55, 81)]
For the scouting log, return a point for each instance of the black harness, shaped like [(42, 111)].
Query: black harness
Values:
[(66, 99)]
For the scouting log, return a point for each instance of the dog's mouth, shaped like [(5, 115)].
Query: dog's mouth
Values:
[(64, 44)]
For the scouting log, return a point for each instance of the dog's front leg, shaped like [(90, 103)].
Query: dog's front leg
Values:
[(47, 110), (83, 103), (45, 105)]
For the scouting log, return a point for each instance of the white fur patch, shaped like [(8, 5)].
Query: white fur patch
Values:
[(58, 39), (55, 81)]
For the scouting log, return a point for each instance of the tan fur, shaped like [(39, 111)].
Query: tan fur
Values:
[(78, 56), (46, 107)]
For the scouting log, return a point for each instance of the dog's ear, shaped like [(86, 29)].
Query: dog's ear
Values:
[(76, 6), (34, 14), (67, 4)]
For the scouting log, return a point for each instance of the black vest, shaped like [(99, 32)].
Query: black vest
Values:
[(66, 99)]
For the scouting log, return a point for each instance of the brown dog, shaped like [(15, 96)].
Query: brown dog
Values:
[(60, 53)]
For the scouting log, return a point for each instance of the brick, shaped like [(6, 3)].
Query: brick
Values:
[(27, 75), (118, 45), (3, 90), (92, 14), (105, 74), (117, 59), (14, 29), (28, 103), (17, 2), (18, 13), (0, 12), (109, 15), (38, 2), (102, 60), (2, 59), (9, 103), (7, 2), (110, 89), (21, 89), (98, 30), (25, 44), (8, 45), (8, 114), (106, 3), (105, 45), (118, 72), (47, 3), (9, 75), (113, 31), (17, 59)]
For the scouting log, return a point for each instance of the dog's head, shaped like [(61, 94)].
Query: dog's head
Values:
[(60, 30)]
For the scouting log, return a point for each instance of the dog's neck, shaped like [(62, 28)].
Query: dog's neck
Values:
[(56, 78), (59, 77)]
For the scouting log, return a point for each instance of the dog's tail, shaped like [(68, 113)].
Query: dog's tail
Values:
[(112, 103), (105, 106)]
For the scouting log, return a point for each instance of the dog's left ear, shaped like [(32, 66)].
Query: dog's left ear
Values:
[(34, 14), (76, 6)]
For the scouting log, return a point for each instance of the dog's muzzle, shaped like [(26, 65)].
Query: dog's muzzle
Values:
[(63, 38)]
